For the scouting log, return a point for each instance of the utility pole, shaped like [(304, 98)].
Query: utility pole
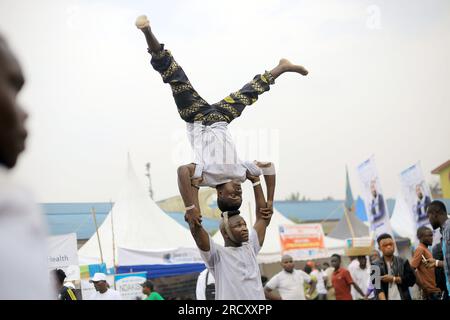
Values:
[(148, 175)]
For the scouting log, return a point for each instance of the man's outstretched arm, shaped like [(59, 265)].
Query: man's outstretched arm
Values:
[(189, 194), (263, 213), (268, 169), (185, 174), (199, 234)]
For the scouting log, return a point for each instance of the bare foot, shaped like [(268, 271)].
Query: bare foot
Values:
[(290, 67), (142, 23)]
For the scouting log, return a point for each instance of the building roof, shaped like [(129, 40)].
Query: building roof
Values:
[(65, 218), (76, 217), (443, 166), (319, 210)]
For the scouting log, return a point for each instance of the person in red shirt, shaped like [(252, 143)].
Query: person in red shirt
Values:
[(342, 280)]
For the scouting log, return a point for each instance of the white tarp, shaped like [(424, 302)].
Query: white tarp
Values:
[(62, 251), (138, 224), (402, 221), (374, 200), (63, 255), (131, 257)]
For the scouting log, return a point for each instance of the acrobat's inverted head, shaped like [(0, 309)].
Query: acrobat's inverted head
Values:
[(229, 196)]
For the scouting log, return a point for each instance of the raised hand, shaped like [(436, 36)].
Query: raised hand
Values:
[(266, 213), (252, 178), (197, 181)]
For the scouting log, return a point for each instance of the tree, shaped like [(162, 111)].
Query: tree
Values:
[(294, 197), (435, 189)]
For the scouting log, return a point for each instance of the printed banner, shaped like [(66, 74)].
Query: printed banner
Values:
[(129, 285), (373, 197), (62, 251), (130, 257), (417, 194), (303, 241)]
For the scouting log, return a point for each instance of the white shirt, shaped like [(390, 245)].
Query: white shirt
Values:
[(290, 285), (235, 269), (393, 293), (321, 289), (201, 284), (353, 265), (215, 155), (24, 273), (110, 294), (362, 278)]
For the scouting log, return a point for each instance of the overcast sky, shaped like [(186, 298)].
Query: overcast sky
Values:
[(378, 84)]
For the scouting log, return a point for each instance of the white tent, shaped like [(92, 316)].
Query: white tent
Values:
[(139, 224), (271, 249), (401, 220)]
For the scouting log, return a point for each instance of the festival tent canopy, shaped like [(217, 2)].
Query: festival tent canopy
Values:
[(401, 220), (349, 227)]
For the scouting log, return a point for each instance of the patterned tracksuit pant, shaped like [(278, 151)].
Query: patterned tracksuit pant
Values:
[(192, 107)]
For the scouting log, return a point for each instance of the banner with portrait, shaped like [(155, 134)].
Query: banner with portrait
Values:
[(417, 196), (374, 201)]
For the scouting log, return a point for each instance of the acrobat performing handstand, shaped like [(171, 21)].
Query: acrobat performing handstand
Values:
[(216, 163)]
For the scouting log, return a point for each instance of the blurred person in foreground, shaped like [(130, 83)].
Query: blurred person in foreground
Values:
[(23, 233)]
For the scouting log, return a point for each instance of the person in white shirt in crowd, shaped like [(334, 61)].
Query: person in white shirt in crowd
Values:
[(320, 275), (206, 286), (361, 276), (24, 273), (289, 282), (103, 290)]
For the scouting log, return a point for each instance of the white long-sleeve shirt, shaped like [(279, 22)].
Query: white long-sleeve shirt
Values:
[(24, 273)]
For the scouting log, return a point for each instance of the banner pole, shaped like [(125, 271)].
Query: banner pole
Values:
[(98, 236), (113, 239)]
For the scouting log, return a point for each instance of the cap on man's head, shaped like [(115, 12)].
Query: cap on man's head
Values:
[(98, 277), (147, 284)]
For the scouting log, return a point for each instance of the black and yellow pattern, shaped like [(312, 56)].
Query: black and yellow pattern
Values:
[(192, 107)]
